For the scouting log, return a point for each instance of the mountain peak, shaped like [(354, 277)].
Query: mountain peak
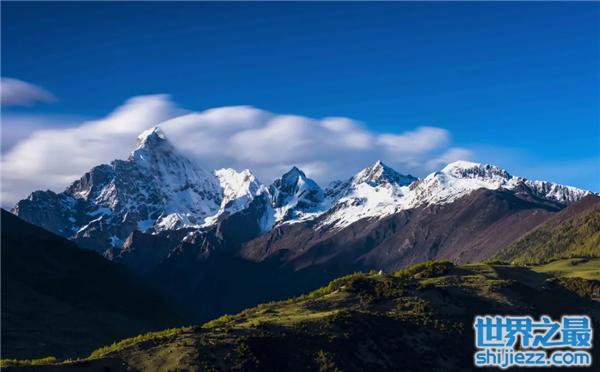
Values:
[(379, 173), (239, 190), (378, 164), (294, 172), (149, 143), (465, 164), (293, 180), (468, 169), (295, 188), (151, 136)]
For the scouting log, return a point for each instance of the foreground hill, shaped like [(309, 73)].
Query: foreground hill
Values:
[(574, 231), (417, 319), (58, 299)]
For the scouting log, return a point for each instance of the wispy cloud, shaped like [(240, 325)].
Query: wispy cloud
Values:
[(18, 126), (238, 137), (14, 92), (327, 149), (52, 158)]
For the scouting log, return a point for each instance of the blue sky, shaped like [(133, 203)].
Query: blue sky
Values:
[(517, 84)]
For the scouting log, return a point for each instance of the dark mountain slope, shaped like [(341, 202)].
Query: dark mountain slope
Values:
[(232, 266), (575, 231), (206, 274), (59, 299), (418, 319), (470, 229)]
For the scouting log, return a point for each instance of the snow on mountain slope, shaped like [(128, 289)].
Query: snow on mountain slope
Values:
[(189, 194), (239, 189), (155, 189), (296, 197), (461, 177), (371, 193), (377, 190), (455, 180), (380, 174), (158, 189), (553, 191)]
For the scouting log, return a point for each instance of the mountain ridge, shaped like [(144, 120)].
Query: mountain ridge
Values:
[(158, 189), (291, 231)]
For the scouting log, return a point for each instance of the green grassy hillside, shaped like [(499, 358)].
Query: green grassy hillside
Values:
[(566, 235), (572, 268), (417, 319)]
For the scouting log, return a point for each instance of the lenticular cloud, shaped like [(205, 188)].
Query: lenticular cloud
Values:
[(14, 92), (237, 137)]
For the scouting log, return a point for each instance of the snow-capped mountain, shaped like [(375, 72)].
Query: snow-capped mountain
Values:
[(462, 177), (238, 190), (377, 190), (187, 194), (296, 197), (157, 190)]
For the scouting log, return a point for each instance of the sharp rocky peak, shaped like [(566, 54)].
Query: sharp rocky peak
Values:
[(381, 174), (152, 138), (294, 187), (150, 143), (292, 176), (155, 189), (293, 180)]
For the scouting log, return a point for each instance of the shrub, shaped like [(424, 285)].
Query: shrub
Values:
[(584, 288), (134, 340), (219, 322), (27, 362), (492, 261), (428, 269)]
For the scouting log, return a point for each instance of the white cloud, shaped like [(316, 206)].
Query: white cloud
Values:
[(422, 139), (14, 92), (238, 137), (15, 127), (52, 158), (326, 149)]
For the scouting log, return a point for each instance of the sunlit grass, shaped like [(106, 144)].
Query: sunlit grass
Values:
[(134, 340), (572, 268), (27, 362)]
